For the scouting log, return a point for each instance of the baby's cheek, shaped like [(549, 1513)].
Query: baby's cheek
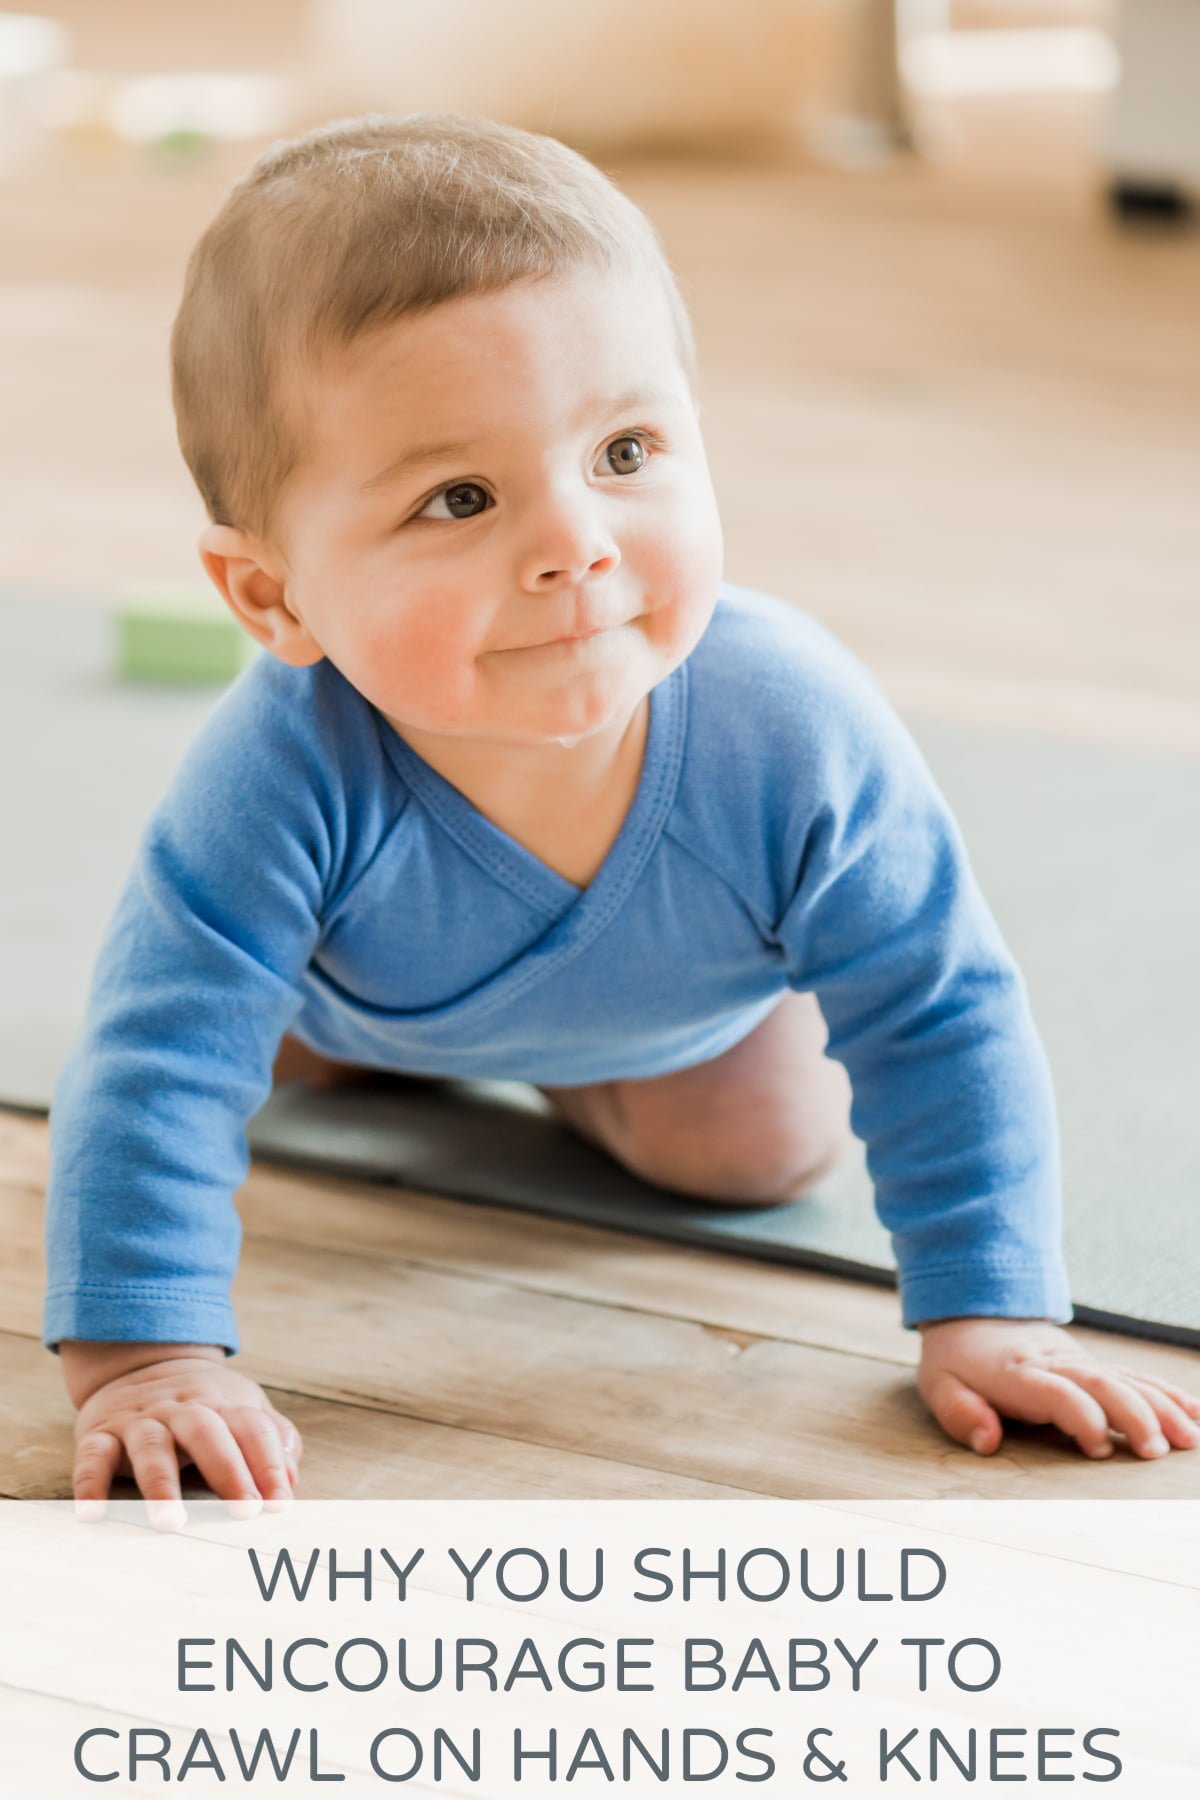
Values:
[(682, 578), (684, 533), (425, 667)]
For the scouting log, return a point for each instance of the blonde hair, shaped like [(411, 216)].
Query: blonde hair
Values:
[(348, 228)]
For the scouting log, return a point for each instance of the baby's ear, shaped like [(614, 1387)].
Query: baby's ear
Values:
[(252, 579)]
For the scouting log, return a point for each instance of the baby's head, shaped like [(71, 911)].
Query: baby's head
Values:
[(433, 378)]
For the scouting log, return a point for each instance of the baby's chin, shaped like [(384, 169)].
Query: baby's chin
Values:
[(523, 728), (564, 732), (584, 710), (545, 697)]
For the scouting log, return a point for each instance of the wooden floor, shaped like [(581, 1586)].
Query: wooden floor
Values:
[(950, 410), (432, 1349)]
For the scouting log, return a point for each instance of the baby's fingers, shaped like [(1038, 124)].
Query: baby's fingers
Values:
[(97, 1458), (150, 1447), (1041, 1397), (1176, 1426), (962, 1414), (1127, 1409), (208, 1442), (293, 1443), (1187, 1403), (262, 1444)]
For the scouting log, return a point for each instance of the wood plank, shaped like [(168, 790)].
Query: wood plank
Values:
[(24, 1150), (551, 1256), (778, 1419), (773, 1418), (350, 1452)]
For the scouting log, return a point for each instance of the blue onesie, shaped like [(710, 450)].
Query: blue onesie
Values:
[(308, 872)]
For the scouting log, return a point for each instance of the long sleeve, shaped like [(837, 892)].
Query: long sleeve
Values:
[(928, 1013), (195, 985)]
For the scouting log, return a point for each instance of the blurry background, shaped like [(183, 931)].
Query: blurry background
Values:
[(952, 405)]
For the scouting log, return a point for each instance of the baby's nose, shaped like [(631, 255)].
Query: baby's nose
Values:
[(567, 545), (569, 575)]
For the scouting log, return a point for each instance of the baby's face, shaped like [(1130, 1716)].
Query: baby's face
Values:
[(505, 527)]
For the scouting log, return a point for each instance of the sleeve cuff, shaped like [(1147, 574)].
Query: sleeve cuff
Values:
[(129, 1314), (982, 1290)]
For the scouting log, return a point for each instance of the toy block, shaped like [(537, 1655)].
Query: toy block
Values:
[(178, 632)]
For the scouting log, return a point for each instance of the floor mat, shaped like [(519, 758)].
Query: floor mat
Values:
[(1090, 856)]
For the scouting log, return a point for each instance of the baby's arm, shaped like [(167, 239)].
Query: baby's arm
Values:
[(196, 983), (952, 1094)]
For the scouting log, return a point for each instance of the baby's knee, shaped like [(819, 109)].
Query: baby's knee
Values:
[(739, 1165)]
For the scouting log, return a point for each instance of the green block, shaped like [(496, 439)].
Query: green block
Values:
[(177, 632)]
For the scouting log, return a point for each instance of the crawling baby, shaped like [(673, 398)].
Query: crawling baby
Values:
[(521, 789)]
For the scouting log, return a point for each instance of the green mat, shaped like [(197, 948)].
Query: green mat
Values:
[(1090, 856)]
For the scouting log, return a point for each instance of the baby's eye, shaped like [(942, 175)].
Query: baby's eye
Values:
[(626, 455), (462, 500)]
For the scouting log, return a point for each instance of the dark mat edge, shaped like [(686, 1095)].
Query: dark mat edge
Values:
[(820, 1262)]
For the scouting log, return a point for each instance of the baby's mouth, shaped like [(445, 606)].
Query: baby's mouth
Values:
[(568, 639)]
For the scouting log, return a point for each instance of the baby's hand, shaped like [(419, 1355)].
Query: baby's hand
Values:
[(178, 1409), (974, 1370)]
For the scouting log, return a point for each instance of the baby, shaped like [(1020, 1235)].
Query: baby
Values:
[(522, 790)]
